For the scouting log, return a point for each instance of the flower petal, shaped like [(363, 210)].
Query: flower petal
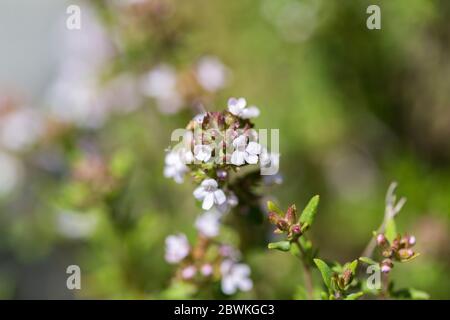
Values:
[(219, 196), (199, 193), (208, 202)]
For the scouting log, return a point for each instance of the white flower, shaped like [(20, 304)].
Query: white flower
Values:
[(175, 164), (161, 84), (245, 153), (238, 108), (235, 276), (211, 73), (210, 194), (177, 248), (208, 223), (20, 129), (202, 152)]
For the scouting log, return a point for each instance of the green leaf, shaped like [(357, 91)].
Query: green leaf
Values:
[(309, 213), (354, 296), (273, 208), (367, 260), (281, 245), (326, 272), (391, 230), (352, 266), (418, 294)]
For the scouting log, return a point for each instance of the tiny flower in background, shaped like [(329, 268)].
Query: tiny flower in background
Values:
[(239, 108), (208, 223), (210, 194), (211, 74), (188, 272), (20, 129), (161, 84), (11, 173), (202, 152), (206, 269), (177, 248), (235, 276)]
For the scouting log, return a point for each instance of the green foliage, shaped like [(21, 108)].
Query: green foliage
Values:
[(281, 245), (309, 213)]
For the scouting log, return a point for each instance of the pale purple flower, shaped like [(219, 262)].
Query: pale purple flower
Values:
[(239, 108), (206, 269), (211, 73), (177, 248), (412, 240), (209, 192), (188, 272), (208, 223), (235, 276)]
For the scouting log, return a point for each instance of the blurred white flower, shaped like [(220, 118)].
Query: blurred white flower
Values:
[(76, 225), (11, 173), (202, 152), (235, 276), (177, 248), (175, 164), (160, 83), (245, 153), (211, 73), (239, 108), (20, 129), (208, 223), (209, 192)]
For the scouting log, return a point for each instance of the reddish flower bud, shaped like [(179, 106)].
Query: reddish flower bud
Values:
[(291, 214), (386, 265), (296, 229)]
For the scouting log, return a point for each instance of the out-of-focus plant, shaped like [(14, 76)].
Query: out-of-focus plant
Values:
[(344, 281)]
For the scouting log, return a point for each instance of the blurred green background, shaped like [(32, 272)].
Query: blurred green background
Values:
[(356, 109)]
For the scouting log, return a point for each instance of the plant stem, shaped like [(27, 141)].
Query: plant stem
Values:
[(306, 272)]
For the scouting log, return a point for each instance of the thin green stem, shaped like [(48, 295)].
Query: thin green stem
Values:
[(306, 272)]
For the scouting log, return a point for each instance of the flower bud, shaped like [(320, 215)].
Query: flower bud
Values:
[(405, 253), (188, 272), (386, 265), (381, 239), (291, 214), (295, 229), (411, 240), (222, 174)]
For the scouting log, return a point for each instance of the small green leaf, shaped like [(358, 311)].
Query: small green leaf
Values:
[(391, 230), (352, 266), (418, 294), (308, 214), (281, 245), (273, 208), (354, 296), (367, 260), (326, 272)]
